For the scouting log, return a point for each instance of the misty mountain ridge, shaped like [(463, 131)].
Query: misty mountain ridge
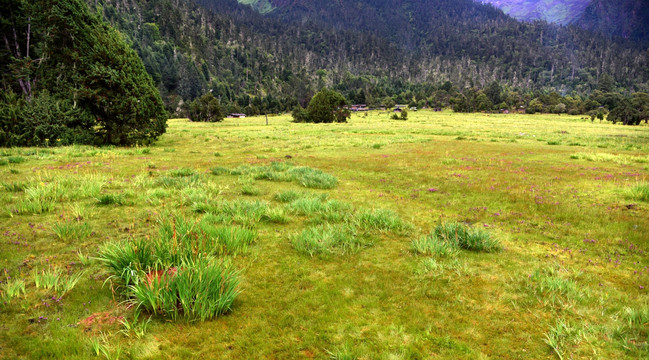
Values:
[(622, 18)]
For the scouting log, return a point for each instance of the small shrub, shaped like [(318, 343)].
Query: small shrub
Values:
[(4, 162)]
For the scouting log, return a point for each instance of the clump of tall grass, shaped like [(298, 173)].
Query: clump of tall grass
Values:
[(55, 279), (72, 230), (549, 285), (381, 220), (562, 335), (328, 240), (248, 187), (313, 178), (219, 170), (432, 245), (111, 199), (639, 192), (182, 172), (40, 198), (284, 171), (275, 216), (11, 289), (331, 211), (435, 267), (16, 159), (179, 182), (241, 212), (288, 196), (139, 328), (607, 157), (176, 273), (199, 289), (466, 237), (155, 196), (16, 186), (87, 187)]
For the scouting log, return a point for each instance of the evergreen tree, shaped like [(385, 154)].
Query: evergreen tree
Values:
[(85, 65), (206, 109), (327, 106)]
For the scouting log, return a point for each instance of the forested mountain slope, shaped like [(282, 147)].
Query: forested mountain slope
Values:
[(277, 59), (623, 18)]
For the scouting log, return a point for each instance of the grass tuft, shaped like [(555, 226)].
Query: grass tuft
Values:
[(432, 245), (327, 239), (11, 289), (55, 279), (288, 196), (381, 220), (639, 192), (466, 237), (176, 273), (111, 199), (182, 172), (72, 231)]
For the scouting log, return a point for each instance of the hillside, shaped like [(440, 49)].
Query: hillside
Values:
[(623, 18), (277, 59), (554, 11)]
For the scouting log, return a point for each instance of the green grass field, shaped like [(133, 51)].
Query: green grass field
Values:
[(444, 236)]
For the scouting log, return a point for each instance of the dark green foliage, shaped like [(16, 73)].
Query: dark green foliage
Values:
[(327, 106), (206, 109), (630, 110), (300, 115), (43, 121), (99, 91), (377, 59), (404, 114)]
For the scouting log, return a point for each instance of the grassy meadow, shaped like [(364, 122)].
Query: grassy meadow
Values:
[(460, 236)]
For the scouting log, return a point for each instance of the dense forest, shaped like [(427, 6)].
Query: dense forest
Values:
[(366, 50), (276, 54), (68, 77)]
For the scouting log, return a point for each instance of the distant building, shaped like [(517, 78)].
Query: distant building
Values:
[(414, 108), (359, 107), (236, 116)]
